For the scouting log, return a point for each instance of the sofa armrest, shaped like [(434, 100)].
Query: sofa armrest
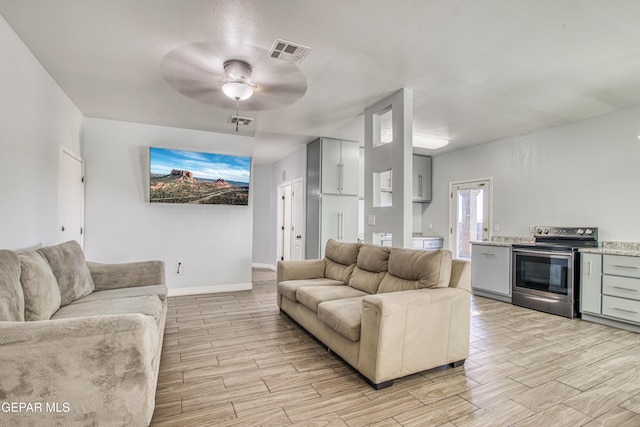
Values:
[(411, 331), (460, 275), (113, 276), (94, 370), (300, 269)]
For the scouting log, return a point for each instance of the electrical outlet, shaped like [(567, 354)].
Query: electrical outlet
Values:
[(532, 228), (372, 220), (430, 226), (496, 227), (179, 266)]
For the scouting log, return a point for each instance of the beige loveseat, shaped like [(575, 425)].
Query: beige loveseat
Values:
[(388, 312), (80, 342)]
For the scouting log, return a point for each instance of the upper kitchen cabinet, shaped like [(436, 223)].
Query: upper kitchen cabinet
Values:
[(339, 166), (421, 179)]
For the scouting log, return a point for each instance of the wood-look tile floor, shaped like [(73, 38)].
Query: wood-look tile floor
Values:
[(232, 359)]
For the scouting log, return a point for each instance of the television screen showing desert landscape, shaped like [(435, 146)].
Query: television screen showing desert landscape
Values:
[(178, 176)]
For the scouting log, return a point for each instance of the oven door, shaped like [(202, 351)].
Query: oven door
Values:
[(543, 272)]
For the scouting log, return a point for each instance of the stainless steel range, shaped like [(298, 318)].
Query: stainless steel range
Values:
[(546, 274)]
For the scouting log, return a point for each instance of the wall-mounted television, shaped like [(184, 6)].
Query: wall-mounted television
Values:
[(178, 176)]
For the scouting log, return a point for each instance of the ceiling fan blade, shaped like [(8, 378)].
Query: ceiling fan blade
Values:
[(197, 71)]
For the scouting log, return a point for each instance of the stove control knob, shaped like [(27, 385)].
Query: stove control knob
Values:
[(580, 231), (546, 231), (539, 231), (589, 232)]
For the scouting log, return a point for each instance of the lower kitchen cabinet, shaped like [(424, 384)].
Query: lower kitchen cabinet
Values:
[(610, 290), (591, 283), (491, 271)]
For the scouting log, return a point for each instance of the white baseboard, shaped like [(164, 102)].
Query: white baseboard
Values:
[(210, 289), (267, 266)]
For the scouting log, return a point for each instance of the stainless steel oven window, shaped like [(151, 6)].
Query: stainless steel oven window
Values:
[(543, 273)]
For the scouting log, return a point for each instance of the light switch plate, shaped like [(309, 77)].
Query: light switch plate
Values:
[(372, 220)]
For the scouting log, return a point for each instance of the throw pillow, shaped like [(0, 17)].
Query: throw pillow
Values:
[(41, 291), (11, 296), (70, 268)]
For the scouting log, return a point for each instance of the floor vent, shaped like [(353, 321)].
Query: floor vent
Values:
[(288, 51), (242, 121)]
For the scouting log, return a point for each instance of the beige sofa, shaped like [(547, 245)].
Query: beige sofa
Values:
[(388, 312), (80, 342)]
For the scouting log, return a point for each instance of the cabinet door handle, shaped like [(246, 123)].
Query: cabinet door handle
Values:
[(625, 289), (629, 267), (488, 254), (419, 185), (625, 311), (590, 267)]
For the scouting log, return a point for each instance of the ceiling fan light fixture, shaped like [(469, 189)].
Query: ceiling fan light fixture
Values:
[(238, 91)]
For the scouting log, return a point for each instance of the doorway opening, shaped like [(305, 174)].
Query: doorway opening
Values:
[(291, 220), (470, 214), (71, 198)]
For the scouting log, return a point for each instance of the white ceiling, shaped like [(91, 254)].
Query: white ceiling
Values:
[(480, 70)]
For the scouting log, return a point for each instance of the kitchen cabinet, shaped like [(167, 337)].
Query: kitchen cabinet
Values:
[(610, 289), (332, 193), (339, 215), (591, 283), (426, 243), (421, 179), (339, 166), (491, 271)]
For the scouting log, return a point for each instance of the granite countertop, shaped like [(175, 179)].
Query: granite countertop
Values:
[(615, 248), (505, 241)]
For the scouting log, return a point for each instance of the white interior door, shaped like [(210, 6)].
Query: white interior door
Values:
[(284, 221), (297, 219), (470, 215), (71, 198)]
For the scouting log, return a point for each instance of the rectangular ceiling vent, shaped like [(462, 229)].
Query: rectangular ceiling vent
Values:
[(288, 51), (242, 121)]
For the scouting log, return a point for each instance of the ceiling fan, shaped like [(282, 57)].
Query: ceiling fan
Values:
[(221, 75)]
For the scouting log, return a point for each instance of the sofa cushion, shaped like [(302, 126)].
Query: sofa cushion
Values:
[(148, 305), (343, 315), (414, 269), (373, 258), (11, 294), (41, 291), (340, 259), (311, 296), (345, 253), (366, 281), (70, 268), (288, 288), (160, 291), (370, 268)]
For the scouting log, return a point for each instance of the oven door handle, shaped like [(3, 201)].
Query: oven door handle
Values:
[(535, 253)]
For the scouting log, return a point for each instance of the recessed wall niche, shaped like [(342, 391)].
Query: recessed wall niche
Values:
[(382, 186), (383, 128)]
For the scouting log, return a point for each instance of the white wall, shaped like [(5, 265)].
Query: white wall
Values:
[(37, 119), (266, 240), (214, 241), (586, 173), (263, 220)]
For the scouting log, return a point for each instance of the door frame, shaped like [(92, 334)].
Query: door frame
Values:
[(298, 216), (64, 151), (283, 249), (452, 211)]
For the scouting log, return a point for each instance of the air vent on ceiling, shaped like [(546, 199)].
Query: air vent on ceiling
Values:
[(288, 51), (242, 121)]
